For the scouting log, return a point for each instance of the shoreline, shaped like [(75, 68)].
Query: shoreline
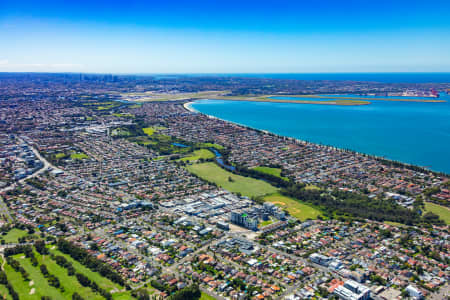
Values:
[(189, 108)]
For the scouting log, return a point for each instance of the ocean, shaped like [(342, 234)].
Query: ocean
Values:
[(412, 132)]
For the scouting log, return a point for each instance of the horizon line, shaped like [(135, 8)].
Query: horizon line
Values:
[(221, 73)]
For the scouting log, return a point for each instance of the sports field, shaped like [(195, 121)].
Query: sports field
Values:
[(78, 156), (151, 130), (245, 185), (441, 211), (295, 208)]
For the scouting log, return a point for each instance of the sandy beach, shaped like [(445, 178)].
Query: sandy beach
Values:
[(188, 106)]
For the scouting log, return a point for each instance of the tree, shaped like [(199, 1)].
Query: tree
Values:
[(76, 296), (3, 278), (89, 261), (83, 280), (191, 292), (40, 247), (44, 269)]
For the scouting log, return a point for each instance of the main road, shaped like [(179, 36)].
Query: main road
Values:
[(3, 208)]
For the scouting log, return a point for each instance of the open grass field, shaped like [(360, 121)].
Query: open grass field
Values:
[(4, 294), (312, 187), (205, 296), (265, 223), (270, 171), (197, 154), (395, 224), (162, 143), (441, 211), (151, 130), (295, 208), (119, 115), (211, 145), (13, 235), (60, 155), (143, 140), (245, 185), (78, 156)]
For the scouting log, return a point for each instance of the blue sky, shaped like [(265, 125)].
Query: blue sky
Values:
[(225, 36)]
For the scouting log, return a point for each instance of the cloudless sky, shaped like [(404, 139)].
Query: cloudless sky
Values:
[(226, 36)]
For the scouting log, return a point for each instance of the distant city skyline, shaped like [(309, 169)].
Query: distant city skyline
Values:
[(225, 37)]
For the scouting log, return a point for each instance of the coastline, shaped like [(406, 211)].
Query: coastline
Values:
[(189, 108)]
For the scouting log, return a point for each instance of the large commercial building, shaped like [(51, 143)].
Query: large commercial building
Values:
[(414, 292), (242, 219), (320, 259), (352, 290)]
